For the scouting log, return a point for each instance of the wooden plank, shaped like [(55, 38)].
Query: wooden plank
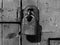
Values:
[(9, 29), (10, 10), (28, 2), (24, 4)]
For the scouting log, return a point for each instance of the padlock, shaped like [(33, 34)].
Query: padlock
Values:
[(30, 24)]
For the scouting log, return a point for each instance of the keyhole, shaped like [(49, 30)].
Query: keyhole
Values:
[(29, 18)]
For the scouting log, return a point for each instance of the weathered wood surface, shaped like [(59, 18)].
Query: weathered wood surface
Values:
[(49, 17)]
